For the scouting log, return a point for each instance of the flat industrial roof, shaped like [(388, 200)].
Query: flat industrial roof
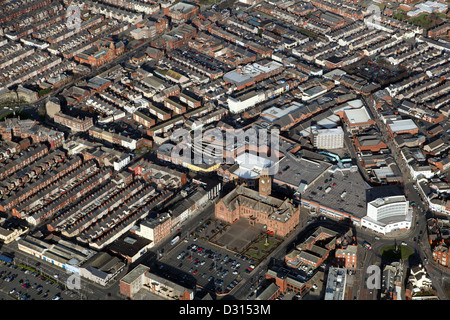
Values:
[(349, 181), (129, 244), (275, 112), (327, 131), (359, 115), (294, 172), (402, 125), (250, 165), (131, 276), (387, 200), (390, 220), (237, 78)]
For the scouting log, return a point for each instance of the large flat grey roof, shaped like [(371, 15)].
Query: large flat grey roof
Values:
[(349, 181), (294, 171), (237, 78), (402, 125), (134, 274)]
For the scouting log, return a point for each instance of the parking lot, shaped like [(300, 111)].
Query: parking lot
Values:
[(198, 262), (25, 284)]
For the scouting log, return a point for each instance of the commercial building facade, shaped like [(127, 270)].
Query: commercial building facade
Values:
[(387, 214), (328, 138)]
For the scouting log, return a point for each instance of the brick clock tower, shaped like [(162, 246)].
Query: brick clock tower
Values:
[(265, 185)]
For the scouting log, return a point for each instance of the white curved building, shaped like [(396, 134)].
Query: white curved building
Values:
[(388, 214)]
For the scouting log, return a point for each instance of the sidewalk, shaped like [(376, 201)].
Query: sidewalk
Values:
[(397, 234)]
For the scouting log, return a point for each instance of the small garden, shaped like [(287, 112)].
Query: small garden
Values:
[(396, 252), (262, 247)]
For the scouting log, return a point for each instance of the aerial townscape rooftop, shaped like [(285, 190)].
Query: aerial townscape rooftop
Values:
[(224, 150)]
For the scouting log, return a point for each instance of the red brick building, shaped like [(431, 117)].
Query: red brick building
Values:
[(347, 257), (75, 124), (337, 9), (10, 167), (373, 144), (144, 117), (442, 30), (16, 13), (40, 184), (182, 11), (442, 164), (315, 250), (441, 254), (259, 207), (132, 282), (284, 280), (356, 119), (32, 129), (103, 52)]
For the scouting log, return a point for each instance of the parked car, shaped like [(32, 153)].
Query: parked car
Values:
[(367, 245)]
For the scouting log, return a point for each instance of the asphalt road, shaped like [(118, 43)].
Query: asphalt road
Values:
[(166, 255), (37, 288), (162, 251), (96, 71), (416, 238), (88, 290)]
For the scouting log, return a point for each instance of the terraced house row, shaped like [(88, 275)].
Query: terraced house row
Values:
[(27, 190), (75, 224), (67, 198), (37, 168), (123, 220), (14, 165)]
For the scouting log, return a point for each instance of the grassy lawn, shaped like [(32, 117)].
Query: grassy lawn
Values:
[(308, 33), (43, 92), (259, 249), (404, 252), (425, 20), (10, 114), (400, 16)]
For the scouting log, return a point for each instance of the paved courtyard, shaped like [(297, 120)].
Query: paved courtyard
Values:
[(238, 236)]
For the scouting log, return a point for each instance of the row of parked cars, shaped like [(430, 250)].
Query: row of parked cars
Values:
[(8, 277), (220, 265), (27, 286), (216, 258)]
